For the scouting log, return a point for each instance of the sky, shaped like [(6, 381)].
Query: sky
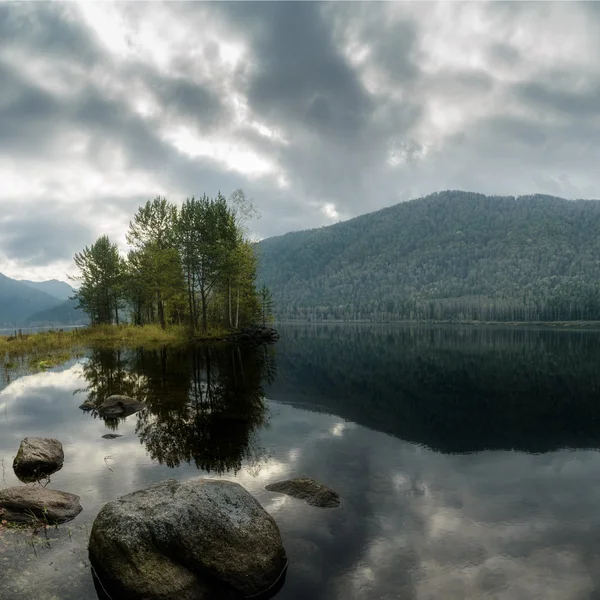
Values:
[(318, 111)]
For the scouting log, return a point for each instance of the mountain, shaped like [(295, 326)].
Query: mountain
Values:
[(63, 314), (54, 287), (19, 301), (449, 256)]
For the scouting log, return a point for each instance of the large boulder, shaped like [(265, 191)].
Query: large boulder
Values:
[(309, 490), (119, 406), (194, 540), (35, 504), (38, 458)]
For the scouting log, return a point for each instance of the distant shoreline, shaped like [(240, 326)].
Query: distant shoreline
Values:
[(592, 325)]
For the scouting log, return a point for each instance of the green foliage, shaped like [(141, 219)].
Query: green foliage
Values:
[(102, 278), (266, 304), (187, 266), (450, 256)]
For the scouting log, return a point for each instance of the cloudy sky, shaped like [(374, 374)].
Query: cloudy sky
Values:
[(319, 111)]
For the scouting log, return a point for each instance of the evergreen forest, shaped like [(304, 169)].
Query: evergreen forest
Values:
[(451, 256)]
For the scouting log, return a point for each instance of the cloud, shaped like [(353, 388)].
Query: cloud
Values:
[(320, 111)]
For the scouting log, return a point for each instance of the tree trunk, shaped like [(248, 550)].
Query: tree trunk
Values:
[(229, 303), (204, 317), (161, 309), (191, 299), (237, 309)]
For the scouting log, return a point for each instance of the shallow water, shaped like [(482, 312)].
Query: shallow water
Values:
[(466, 459)]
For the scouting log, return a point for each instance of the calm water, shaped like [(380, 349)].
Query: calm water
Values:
[(466, 459)]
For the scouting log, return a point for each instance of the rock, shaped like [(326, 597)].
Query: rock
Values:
[(119, 406), (38, 458), (111, 436), (31, 504), (197, 539), (87, 405), (309, 490)]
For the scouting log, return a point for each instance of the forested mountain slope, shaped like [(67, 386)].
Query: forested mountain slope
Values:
[(451, 255), (18, 301)]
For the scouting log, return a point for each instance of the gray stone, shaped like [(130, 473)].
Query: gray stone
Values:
[(194, 540), (111, 436), (309, 490), (32, 504), (119, 406), (38, 458), (87, 405)]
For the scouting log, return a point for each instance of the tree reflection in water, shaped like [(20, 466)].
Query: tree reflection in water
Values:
[(204, 405)]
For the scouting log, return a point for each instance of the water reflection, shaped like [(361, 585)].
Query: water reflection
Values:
[(454, 515), (451, 389), (203, 405)]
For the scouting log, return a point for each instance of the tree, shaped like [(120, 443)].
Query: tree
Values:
[(152, 234), (266, 304), (207, 239), (193, 265), (101, 290)]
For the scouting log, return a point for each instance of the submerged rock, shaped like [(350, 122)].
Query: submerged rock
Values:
[(198, 539), (38, 458), (32, 504), (111, 436), (119, 406), (88, 405), (309, 490)]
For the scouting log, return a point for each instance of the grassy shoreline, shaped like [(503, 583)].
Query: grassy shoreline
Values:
[(53, 341)]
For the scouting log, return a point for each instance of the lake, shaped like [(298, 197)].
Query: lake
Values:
[(466, 458)]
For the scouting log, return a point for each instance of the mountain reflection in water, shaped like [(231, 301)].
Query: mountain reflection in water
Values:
[(452, 389)]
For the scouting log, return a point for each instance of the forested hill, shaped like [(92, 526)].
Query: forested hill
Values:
[(451, 255)]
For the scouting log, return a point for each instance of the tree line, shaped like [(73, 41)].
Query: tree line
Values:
[(191, 265), (451, 256)]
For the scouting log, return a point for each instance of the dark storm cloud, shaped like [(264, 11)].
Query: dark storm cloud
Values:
[(46, 235), (298, 74), (556, 99), (46, 28), (27, 114)]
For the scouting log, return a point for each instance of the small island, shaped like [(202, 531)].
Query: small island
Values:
[(190, 274)]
